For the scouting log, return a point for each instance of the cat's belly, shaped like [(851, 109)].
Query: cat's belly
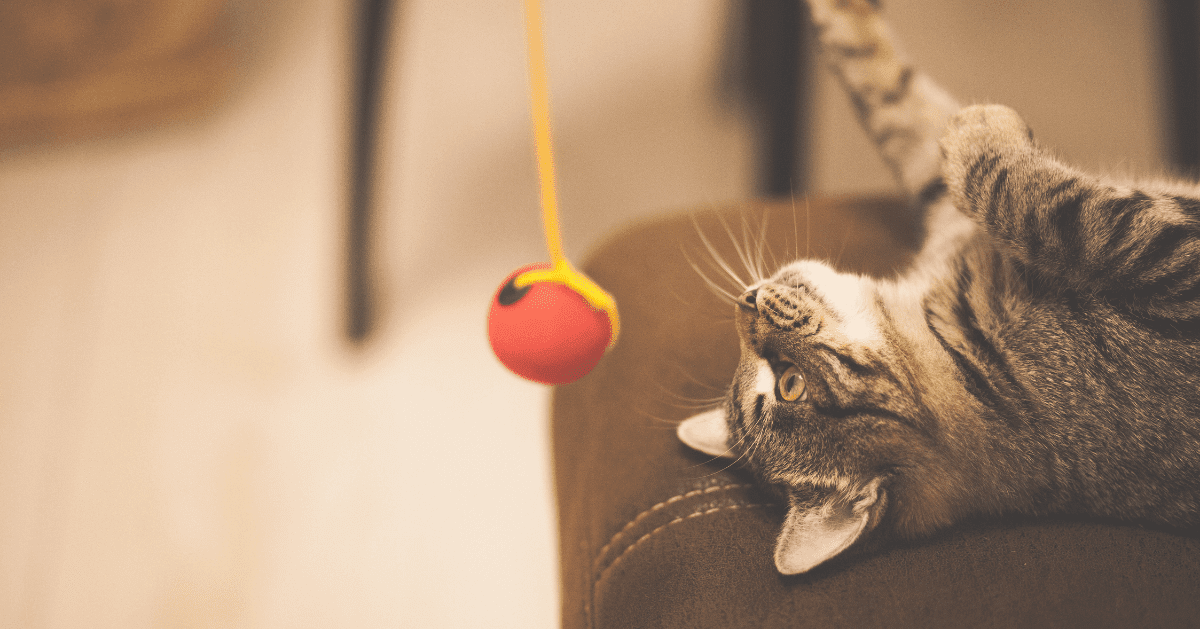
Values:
[(1113, 407)]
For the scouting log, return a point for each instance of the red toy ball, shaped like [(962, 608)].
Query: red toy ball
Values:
[(546, 332)]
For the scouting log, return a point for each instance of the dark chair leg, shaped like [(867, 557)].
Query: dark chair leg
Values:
[(374, 18), (777, 85), (1180, 24)]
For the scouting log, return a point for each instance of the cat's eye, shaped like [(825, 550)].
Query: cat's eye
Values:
[(791, 385)]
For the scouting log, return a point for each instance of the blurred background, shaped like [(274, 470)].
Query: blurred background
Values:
[(247, 248)]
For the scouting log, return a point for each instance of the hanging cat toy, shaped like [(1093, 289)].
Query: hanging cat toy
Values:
[(548, 322)]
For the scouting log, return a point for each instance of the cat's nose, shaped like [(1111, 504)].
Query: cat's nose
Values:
[(749, 300)]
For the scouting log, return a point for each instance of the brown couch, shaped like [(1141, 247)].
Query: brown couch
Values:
[(655, 535)]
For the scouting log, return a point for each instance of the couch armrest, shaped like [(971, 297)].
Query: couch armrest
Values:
[(653, 534)]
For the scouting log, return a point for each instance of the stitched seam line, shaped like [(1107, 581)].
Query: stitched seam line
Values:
[(658, 507), (677, 520), (600, 578), (589, 599)]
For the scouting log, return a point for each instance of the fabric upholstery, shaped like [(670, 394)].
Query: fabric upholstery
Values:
[(656, 535)]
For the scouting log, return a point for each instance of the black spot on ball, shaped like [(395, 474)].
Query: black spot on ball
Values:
[(510, 294)]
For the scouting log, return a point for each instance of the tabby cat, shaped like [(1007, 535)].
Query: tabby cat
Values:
[(1041, 355)]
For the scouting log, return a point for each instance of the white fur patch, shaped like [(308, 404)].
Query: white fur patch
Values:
[(846, 295), (764, 381)]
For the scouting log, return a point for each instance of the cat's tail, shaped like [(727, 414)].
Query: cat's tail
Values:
[(902, 110)]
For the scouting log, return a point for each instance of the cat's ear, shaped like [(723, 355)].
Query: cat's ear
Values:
[(824, 522), (706, 432)]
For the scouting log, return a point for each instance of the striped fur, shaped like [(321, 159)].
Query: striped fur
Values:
[(1041, 355)]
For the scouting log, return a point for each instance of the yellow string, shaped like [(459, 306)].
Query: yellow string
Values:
[(561, 270)]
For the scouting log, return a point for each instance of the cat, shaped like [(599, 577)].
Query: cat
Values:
[(1041, 355)]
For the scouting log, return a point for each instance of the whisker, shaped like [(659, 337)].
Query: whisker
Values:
[(704, 308), (683, 377), (760, 255), (728, 450), (689, 377), (741, 252), (795, 227), (740, 442), (712, 284), (807, 229), (754, 250), (699, 404), (717, 259), (657, 421), (717, 458), (689, 402), (660, 422), (724, 390), (837, 260), (751, 260)]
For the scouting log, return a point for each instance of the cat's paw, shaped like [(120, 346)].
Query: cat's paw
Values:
[(975, 139), (982, 127)]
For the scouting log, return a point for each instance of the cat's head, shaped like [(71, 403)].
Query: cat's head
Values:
[(824, 405)]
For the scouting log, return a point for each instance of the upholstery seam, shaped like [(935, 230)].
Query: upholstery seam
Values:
[(694, 514), (590, 597), (658, 507), (683, 518)]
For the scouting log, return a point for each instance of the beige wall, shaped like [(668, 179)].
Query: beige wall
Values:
[(637, 130), (1084, 79)]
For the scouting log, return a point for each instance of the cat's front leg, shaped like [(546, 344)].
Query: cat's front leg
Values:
[(901, 109), (981, 132), (989, 164), (1140, 245)]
